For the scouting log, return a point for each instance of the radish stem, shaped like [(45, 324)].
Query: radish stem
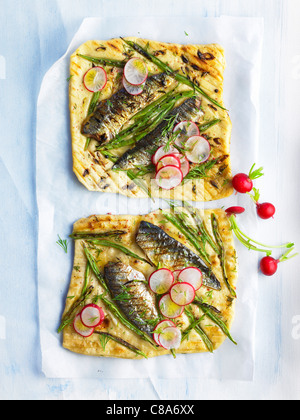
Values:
[(285, 256), (248, 242)]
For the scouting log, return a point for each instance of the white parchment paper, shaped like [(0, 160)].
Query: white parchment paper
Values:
[(62, 199)]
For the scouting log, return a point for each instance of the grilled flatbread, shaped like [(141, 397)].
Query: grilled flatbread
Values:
[(204, 65), (111, 262)]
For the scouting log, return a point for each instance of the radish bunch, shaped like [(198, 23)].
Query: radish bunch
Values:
[(173, 162), (243, 184), (268, 264), (178, 289)]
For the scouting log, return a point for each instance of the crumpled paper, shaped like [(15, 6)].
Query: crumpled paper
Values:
[(62, 199)]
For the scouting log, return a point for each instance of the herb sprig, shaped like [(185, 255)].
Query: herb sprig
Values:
[(63, 243)]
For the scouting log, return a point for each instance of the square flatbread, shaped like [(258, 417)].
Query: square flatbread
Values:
[(221, 300), (204, 65)]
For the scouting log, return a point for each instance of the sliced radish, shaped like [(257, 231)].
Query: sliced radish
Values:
[(170, 338), (161, 152), (160, 327), (185, 166), (198, 149), (161, 280), (95, 79), (185, 130), (169, 177), (92, 316), (168, 308), (182, 294), (135, 71), (131, 89), (82, 329), (191, 275), (169, 160)]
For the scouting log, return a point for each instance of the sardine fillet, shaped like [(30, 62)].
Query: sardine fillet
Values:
[(130, 292), (162, 248), (111, 115)]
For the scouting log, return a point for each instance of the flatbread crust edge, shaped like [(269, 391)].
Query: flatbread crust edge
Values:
[(220, 299), (93, 170)]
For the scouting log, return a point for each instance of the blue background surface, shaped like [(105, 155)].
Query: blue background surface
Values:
[(36, 33)]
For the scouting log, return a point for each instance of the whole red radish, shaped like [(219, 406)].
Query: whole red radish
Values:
[(269, 265), (264, 210), (243, 183), (235, 210)]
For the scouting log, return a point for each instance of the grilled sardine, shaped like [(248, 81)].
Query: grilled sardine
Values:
[(142, 152), (111, 115), (162, 248), (130, 291)]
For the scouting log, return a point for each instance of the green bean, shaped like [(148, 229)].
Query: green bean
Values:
[(221, 253), (206, 126), (104, 61), (187, 233), (201, 226), (120, 247), (122, 342), (195, 325), (70, 315), (217, 320), (96, 270), (85, 235)]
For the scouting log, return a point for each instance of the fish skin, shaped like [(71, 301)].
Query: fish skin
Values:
[(141, 307), (111, 115), (142, 152), (162, 248)]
